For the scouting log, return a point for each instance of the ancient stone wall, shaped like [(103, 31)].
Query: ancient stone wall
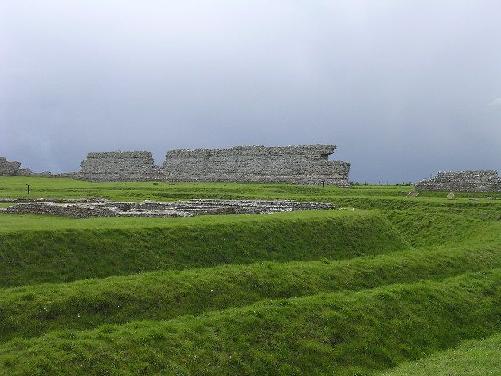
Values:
[(8, 168), (463, 181), (119, 166), (304, 164)]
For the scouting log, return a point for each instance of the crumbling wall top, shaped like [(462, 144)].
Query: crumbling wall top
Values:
[(306, 151), (120, 154)]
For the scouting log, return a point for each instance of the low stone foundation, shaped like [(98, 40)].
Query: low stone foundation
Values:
[(462, 181), (104, 208)]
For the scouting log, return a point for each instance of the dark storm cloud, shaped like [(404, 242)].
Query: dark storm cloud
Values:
[(403, 88)]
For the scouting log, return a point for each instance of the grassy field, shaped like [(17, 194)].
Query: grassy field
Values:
[(391, 284), (15, 187)]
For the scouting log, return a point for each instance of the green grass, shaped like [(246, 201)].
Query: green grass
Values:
[(364, 197), (424, 227), (15, 187), (341, 333), (28, 257), (32, 310), (387, 287), (419, 226), (10, 223), (471, 358)]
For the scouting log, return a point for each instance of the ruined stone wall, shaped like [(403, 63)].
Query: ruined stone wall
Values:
[(105, 208), (463, 181), (303, 164), (119, 166), (8, 168)]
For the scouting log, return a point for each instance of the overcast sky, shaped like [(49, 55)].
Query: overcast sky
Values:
[(404, 88)]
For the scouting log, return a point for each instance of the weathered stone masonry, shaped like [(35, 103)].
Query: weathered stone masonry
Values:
[(304, 164), (463, 181), (13, 168), (119, 166)]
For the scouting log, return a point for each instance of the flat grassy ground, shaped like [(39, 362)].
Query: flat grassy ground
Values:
[(398, 285), (15, 187)]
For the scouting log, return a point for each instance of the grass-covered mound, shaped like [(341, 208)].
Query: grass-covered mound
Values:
[(426, 227), (340, 333), (29, 257), (318, 293), (471, 358), (32, 310)]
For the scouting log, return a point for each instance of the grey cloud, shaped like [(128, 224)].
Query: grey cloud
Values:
[(400, 87), (495, 102)]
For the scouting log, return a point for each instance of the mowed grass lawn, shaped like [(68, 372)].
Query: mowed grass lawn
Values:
[(15, 187), (389, 284)]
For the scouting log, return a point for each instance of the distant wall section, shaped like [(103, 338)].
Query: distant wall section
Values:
[(303, 164), (12, 168), (463, 181)]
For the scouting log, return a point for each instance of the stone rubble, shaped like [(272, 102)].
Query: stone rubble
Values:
[(188, 208), (462, 181)]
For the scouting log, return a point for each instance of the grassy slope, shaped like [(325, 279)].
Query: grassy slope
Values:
[(471, 358), (20, 223), (32, 310), (342, 334), (425, 227), (29, 257)]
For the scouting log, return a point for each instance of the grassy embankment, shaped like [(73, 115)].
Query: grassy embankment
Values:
[(471, 358), (295, 293), (30, 257), (341, 333), (35, 309)]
